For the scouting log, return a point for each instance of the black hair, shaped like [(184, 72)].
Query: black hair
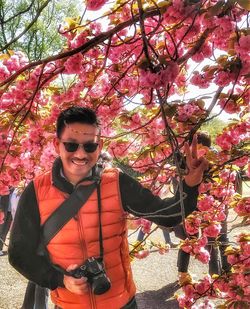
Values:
[(76, 114), (203, 138)]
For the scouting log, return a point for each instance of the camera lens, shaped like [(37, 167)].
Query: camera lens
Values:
[(100, 285)]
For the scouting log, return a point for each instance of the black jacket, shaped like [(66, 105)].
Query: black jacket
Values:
[(25, 235), (4, 203)]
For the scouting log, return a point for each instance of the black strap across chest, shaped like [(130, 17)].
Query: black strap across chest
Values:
[(67, 210)]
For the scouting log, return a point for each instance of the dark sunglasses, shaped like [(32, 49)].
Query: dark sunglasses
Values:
[(89, 147)]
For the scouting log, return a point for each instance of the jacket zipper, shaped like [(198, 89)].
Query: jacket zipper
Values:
[(84, 250)]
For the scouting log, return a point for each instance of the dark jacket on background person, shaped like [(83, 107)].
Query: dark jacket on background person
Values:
[(134, 199), (4, 203)]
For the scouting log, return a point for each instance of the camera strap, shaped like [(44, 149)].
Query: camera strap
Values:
[(67, 210), (100, 219)]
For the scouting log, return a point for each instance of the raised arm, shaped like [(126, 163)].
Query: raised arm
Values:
[(196, 165)]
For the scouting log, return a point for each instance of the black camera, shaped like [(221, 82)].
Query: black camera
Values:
[(93, 270)]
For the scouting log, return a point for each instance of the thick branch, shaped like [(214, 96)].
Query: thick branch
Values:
[(85, 47), (197, 46)]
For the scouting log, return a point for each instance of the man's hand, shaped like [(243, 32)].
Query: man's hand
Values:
[(196, 166), (1, 217), (74, 285)]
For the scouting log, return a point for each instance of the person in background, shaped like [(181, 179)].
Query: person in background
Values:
[(218, 261), (94, 241), (7, 205), (166, 235)]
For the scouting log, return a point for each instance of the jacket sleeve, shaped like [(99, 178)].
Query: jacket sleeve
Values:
[(24, 241), (141, 202)]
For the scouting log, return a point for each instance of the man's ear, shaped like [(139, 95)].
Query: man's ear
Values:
[(56, 144)]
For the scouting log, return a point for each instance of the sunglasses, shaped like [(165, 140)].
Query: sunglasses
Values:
[(88, 147)]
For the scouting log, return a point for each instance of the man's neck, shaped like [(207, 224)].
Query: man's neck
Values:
[(73, 182)]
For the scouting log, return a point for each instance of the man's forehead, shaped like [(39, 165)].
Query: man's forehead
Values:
[(89, 130)]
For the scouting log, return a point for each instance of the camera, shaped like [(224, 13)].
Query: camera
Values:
[(93, 270)]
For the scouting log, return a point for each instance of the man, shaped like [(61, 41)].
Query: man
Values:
[(79, 145)]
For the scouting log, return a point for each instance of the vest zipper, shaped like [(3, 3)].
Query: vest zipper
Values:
[(84, 250)]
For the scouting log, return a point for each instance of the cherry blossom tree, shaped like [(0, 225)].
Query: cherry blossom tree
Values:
[(155, 72)]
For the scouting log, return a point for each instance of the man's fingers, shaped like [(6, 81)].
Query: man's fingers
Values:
[(187, 152), (72, 267), (204, 165), (194, 147)]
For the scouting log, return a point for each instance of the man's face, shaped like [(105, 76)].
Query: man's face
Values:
[(77, 164)]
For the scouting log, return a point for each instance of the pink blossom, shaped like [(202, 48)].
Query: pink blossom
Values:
[(204, 52), (187, 248), (4, 72), (223, 78), (202, 242), (243, 207), (142, 254), (204, 187), (232, 259), (204, 285), (160, 79), (184, 301), (186, 111), (79, 39), (229, 106), (227, 175), (200, 80), (212, 230), (74, 64), (206, 203), (222, 285), (206, 304), (189, 290), (221, 216), (94, 5), (243, 47), (224, 141), (203, 256)]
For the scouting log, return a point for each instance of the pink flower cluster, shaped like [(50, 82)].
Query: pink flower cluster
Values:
[(160, 79), (229, 106), (234, 135), (74, 64), (201, 80), (12, 64), (94, 5), (243, 47), (192, 224), (186, 111), (224, 78), (196, 248), (206, 202), (205, 52), (145, 225), (79, 40), (232, 287), (242, 207)]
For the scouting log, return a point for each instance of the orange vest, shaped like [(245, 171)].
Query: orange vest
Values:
[(79, 240)]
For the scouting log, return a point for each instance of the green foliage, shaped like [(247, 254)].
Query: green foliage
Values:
[(32, 26), (214, 127)]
